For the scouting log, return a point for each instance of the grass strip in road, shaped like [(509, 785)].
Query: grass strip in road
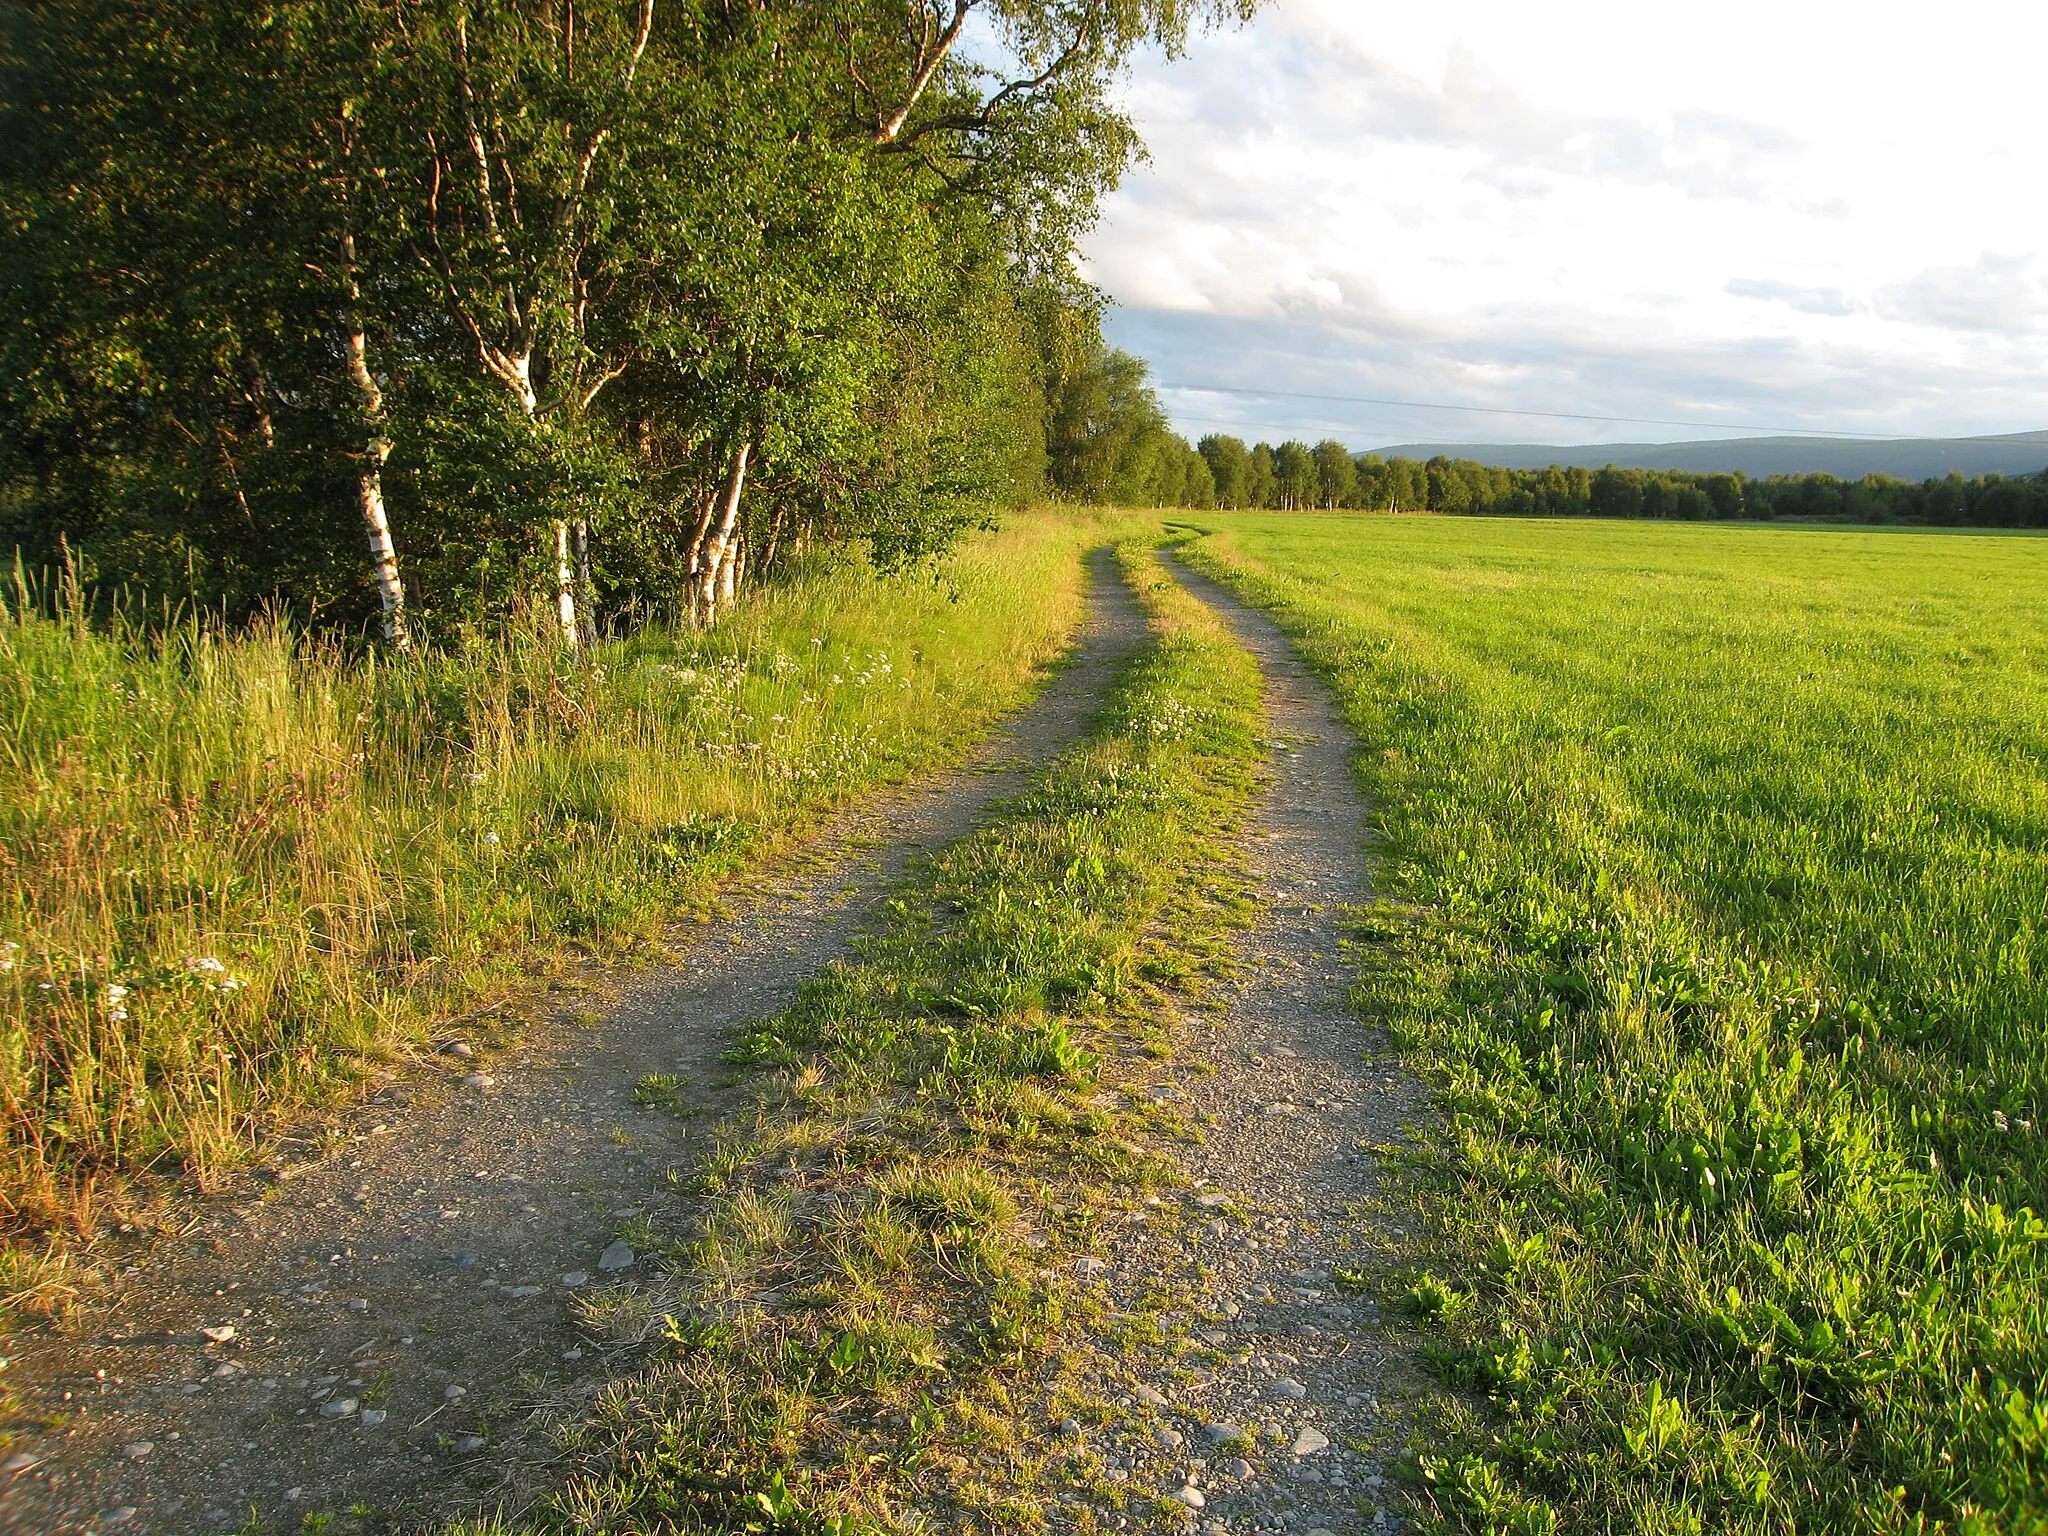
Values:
[(238, 869), (868, 1328), (1712, 875)]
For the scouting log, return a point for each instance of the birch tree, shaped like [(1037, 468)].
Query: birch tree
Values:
[(508, 130)]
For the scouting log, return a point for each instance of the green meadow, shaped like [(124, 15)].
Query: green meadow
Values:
[(1710, 899)]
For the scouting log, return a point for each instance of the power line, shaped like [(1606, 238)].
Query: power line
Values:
[(1495, 410)]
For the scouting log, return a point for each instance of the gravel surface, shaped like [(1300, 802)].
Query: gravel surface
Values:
[(387, 1316), (1280, 1407)]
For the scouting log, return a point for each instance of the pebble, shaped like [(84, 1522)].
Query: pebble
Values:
[(1192, 1497), (20, 1461), (1212, 1199), (1236, 1467), (574, 1278), (338, 1407), (1071, 1428), (617, 1256), (478, 1080), (120, 1516), (1222, 1434), (469, 1445), (519, 1292), (221, 1372), (461, 1259), (219, 1335), (1287, 1386), (451, 1392), (371, 1417), (1087, 1268), (359, 1305), (1309, 1441), (1279, 1109), (460, 1048), (1168, 1439), (135, 1450), (1149, 1397)]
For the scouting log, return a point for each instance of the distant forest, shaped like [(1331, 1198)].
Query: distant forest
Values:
[(1329, 475)]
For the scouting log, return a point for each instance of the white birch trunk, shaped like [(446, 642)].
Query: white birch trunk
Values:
[(565, 586), (718, 546), (370, 491)]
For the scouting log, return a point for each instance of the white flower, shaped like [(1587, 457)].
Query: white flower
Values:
[(115, 992), (491, 837), (473, 778), (232, 985), (204, 963)]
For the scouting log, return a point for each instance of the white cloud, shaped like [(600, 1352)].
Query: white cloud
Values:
[(1598, 207)]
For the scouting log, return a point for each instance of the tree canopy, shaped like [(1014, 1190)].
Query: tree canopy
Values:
[(602, 305)]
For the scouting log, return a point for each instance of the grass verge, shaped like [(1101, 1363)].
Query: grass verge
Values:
[(236, 870), (869, 1328), (1712, 873)]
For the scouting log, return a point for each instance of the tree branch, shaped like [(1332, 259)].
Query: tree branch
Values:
[(984, 119), (929, 57)]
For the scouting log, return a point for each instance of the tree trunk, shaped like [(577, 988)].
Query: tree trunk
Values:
[(708, 563), (565, 587), (586, 589), (730, 570), (370, 489), (383, 552), (774, 539)]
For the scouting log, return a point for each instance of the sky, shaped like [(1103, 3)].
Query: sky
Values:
[(1767, 216)]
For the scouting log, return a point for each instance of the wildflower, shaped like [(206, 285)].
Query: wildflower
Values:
[(232, 985), (473, 777), (8, 951), (1998, 1119), (491, 837), (204, 963)]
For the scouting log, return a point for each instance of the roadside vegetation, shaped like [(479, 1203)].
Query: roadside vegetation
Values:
[(869, 1328), (238, 867), (1711, 888)]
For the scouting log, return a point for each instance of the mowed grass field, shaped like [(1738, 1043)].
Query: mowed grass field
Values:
[(1711, 900)]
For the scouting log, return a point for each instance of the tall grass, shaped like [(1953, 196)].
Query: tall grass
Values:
[(233, 866), (1714, 903)]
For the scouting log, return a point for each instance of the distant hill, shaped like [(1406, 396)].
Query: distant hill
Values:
[(1920, 458)]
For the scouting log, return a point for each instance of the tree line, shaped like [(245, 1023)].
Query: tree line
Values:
[(407, 313), (1296, 476)]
